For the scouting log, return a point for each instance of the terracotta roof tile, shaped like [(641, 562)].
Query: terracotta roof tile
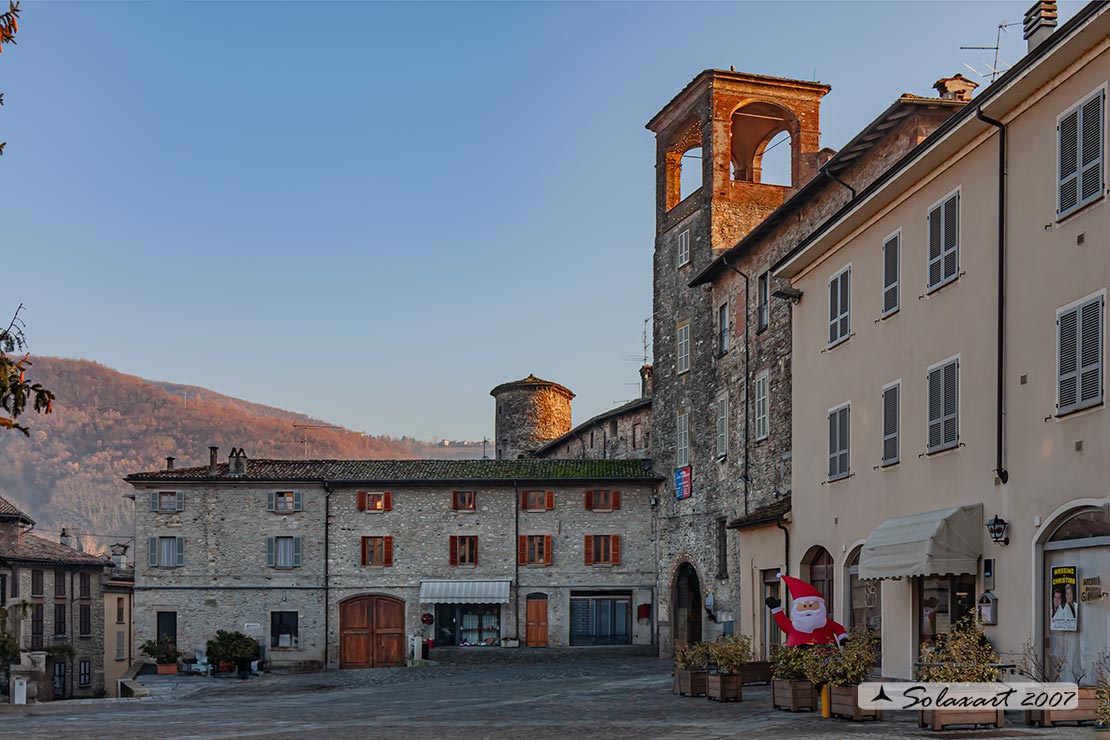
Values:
[(764, 514), (34, 548), (8, 510)]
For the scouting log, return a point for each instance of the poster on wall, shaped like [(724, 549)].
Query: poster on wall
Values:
[(1064, 610), (683, 483)]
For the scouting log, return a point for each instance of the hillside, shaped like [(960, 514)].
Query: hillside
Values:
[(107, 424)]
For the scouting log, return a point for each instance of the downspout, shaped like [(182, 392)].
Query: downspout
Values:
[(999, 470), (786, 539), (834, 178), (328, 491), (747, 379), (516, 556)]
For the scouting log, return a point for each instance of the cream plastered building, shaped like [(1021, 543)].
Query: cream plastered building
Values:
[(948, 360)]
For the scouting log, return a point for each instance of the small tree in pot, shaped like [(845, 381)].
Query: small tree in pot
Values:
[(729, 654), (165, 654), (233, 648), (963, 655), (689, 669), (790, 689), (842, 669), (1049, 669)]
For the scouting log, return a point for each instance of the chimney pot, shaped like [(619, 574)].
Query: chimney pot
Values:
[(955, 88), (169, 462), (213, 460), (237, 462), (1040, 21), (645, 381), (64, 538)]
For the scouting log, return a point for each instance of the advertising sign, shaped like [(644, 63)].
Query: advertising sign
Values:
[(1064, 610), (683, 485)]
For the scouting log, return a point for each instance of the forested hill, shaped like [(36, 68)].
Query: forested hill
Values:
[(107, 424)]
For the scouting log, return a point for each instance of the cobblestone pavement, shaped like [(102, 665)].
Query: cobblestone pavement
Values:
[(587, 697)]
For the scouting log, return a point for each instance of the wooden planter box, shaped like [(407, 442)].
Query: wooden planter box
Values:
[(793, 695), (690, 683), (1088, 704), (938, 719), (844, 702), (724, 687), (166, 668), (755, 672)]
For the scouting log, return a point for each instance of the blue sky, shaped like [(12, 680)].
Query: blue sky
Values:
[(374, 213)]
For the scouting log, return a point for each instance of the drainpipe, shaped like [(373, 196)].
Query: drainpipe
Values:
[(747, 378), (786, 539), (834, 178), (516, 556), (328, 491), (999, 470)]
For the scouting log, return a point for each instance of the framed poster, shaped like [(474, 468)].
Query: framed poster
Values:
[(1063, 611), (683, 485)]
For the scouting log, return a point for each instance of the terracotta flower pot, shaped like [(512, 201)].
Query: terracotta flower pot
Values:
[(166, 668)]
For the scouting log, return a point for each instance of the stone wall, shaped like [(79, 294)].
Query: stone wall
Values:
[(608, 438), (528, 414)]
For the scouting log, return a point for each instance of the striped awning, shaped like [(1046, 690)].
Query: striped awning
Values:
[(464, 592)]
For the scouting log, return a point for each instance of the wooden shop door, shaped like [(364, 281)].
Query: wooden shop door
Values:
[(536, 618)]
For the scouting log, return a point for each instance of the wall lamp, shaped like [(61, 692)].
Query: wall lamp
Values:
[(996, 528), (788, 294)]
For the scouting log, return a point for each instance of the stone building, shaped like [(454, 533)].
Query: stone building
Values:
[(118, 584), (721, 402), (528, 414), (338, 562), (52, 600)]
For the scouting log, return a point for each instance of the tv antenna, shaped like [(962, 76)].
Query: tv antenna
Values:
[(304, 433), (994, 71)]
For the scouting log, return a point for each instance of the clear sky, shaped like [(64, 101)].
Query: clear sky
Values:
[(374, 213)]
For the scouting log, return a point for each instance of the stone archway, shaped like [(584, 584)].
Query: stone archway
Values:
[(687, 606)]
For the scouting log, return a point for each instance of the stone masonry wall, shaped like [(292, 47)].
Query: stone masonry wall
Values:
[(598, 441), (528, 417)]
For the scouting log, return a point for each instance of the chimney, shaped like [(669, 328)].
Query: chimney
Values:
[(64, 538), (169, 463), (645, 381), (955, 88), (237, 462), (119, 554), (1040, 21), (213, 461)]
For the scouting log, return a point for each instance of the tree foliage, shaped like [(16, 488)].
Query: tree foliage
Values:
[(16, 391), (9, 27)]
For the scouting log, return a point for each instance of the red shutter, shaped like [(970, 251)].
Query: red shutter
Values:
[(616, 497), (455, 500), (365, 544), (589, 499), (523, 499), (550, 500), (522, 550), (616, 540), (454, 550), (362, 500), (387, 501), (475, 553), (387, 558), (547, 549), (589, 551)]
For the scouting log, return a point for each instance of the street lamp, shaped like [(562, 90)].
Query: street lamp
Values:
[(996, 527)]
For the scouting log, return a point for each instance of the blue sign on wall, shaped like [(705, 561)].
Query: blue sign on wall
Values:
[(683, 486)]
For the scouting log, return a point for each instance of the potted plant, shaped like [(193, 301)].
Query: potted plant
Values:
[(729, 654), (164, 654), (689, 669), (232, 649), (963, 655), (1049, 670), (842, 669), (1102, 691), (790, 689)]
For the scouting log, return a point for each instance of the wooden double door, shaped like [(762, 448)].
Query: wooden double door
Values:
[(371, 632)]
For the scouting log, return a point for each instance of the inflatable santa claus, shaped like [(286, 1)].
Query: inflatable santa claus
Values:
[(809, 622)]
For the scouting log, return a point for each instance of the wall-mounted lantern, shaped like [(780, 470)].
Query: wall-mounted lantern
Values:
[(997, 527)]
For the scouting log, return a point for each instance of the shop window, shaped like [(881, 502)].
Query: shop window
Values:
[(468, 625), (865, 599), (600, 618), (283, 629), (943, 601)]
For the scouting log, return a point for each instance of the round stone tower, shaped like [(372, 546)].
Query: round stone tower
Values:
[(530, 413)]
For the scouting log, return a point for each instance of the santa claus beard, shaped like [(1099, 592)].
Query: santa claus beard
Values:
[(810, 620)]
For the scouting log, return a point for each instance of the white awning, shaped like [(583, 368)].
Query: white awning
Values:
[(464, 592), (942, 542)]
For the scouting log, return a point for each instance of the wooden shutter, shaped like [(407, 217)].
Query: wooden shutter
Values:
[(154, 500), (453, 555), (362, 500), (615, 541), (270, 551), (522, 550), (550, 501), (387, 558), (298, 502), (891, 258), (387, 501), (589, 550), (615, 497), (298, 551), (455, 500), (181, 551), (524, 500), (365, 545), (890, 425), (151, 551), (180, 501), (547, 549), (270, 496), (1090, 148), (590, 500), (475, 553)]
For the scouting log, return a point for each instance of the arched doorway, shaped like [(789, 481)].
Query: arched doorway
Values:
[(687, 606), (371, 632), (820, 564)]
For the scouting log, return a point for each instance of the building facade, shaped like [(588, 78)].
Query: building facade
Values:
[(118, 585), (948, 360)]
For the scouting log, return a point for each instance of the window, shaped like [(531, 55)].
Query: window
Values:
[(762, 407), (59, 620), (891, 395), (603, 500), (284, 502), (603, 549), (683, 247), (467, 624), (537, 500), (600, 618), (722, 548), (166, 552), (636, 441), (944, 601), (59, 584), (944, 240), (464, 500), (15, 583), (84, 613), (375, 501), (683, 361), (613, 428), (284, 552), (891, 264), (119, 610), (377, 551), (838, 442), (85, 582), (163, 501), (533, 549), (1079, 139), (944, 380), (121, 645), (84, 673), (764, 287), (36, 583), (464, 550), (283, 629), (840, 325), (682, 438), (1079, 355), (591, 439), (37, 628), (722, 426), (722, 329)]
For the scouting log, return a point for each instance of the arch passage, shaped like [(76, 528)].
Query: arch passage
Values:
[(686, 624), (371, 632)]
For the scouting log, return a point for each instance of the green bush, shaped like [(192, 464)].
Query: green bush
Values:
[(691, 657), (232, 647), (964, 654), (846, 665), (730, 652), (163, 653), (787, 663)]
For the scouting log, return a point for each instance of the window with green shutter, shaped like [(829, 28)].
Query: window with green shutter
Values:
[(1079, 356)]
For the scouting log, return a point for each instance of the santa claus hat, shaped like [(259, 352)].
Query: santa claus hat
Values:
[(799, 589)]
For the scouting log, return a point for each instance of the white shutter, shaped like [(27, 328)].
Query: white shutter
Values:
[(1079, 138), (1079, 356), (951, 234), (1068, 141), (1090, 353), (683, 247), (682, 439), (682, 361), (944, 406), (890, 424), (891, 259)]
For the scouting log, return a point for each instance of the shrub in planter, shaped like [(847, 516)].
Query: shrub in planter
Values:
[(790, 689), (729, 654), (232, 647), (842, 669), (963, 655), (689, 669), (1102, 691), (1047, 670), (165, 654)]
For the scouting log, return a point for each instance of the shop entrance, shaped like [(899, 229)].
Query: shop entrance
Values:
[(371, 632), (687, 606), (536, 617)]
